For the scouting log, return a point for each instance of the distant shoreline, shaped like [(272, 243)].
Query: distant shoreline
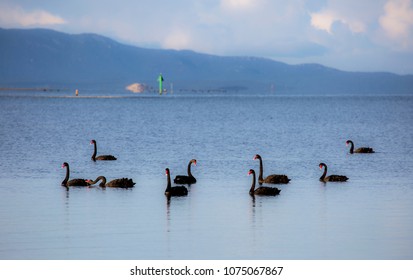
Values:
[(29, 89)]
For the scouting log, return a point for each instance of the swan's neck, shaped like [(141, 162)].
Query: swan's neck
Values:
[(351, 147), (324, 173), (168, 179), (100, 178), (94, 150), (66, 177), (261, 175), (189, 169), (253, 183)]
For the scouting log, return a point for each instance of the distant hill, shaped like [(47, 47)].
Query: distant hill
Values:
[(41, 57)]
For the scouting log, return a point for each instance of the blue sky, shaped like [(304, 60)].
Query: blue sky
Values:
[(356, 35)]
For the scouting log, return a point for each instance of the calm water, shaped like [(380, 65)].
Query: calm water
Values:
[(368, 217)]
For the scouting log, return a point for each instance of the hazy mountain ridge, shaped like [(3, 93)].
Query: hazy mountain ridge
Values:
[(41, 56)]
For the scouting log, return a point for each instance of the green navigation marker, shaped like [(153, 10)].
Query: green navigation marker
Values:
[(160, 80)]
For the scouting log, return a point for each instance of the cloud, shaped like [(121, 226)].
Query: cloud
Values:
[(325, 19), (177, 39), (237, 4), (16, 16), (397, 22)]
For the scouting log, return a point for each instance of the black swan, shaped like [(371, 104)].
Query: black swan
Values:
[(174, 191), (261, 190), (331, 178), (102, 157), (74, 182), (115, 183), (361, 150), (186, 179), (272, 179)]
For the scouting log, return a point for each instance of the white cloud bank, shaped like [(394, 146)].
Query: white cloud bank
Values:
[(238, 4), (16, 16), (397, 22), (177, 39), (325, 19), (393, 19), (355, 15)]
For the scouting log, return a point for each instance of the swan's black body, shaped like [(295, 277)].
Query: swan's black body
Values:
[(115, 183), (271, 179), (331, 178), (101, 157), (186, 179), (261, 190), (361, 150), (174, 191), (74, 182)]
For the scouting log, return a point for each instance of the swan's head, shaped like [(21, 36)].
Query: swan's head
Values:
[(321, 165), (257, 156), (193, 161), (251, 172), (92, 142), (167, 171), (348, 142), (65, 164)]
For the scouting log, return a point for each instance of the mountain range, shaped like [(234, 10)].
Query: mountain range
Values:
[(47, 58)]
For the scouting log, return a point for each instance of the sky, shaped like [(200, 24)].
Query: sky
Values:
[(352, 35)]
